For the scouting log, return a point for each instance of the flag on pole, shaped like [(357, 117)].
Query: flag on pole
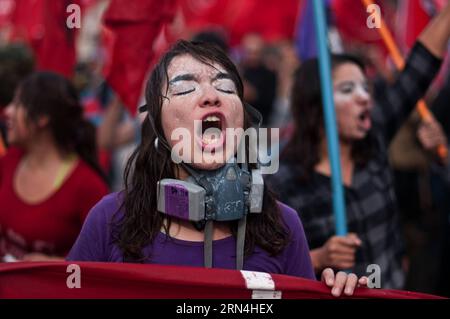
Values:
[(42, 24), (129, 31), (305, 37), (413, 17)]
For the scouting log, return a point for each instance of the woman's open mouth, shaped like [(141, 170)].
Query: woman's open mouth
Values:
[(212, 135), (365, 121)]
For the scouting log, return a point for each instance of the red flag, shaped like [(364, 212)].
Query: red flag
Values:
[(6, 9), (351, 20), (43, 25), (130, 28), (202, 14), (274, 20), (413, 17)]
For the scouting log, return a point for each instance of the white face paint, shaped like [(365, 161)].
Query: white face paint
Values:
[(352, 101), (201, 93)]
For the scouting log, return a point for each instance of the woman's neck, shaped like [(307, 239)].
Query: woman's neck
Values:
[(42, 151), (181, 173), (346, 161)]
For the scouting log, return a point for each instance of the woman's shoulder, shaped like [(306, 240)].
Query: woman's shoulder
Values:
[(95, 240), (110, 203), (290, 216), (89, 177), (287, 172), (101, 216), (287, 183)]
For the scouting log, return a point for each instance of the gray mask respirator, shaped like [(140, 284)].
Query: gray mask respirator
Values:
[(225, 194)]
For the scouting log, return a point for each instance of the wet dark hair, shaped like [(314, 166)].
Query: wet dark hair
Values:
[(147, 165), (303, 150), (49, 94)]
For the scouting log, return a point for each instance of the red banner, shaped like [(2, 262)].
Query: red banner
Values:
[(118, 280)]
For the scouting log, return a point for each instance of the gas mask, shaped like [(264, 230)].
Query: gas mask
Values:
[(225, 194)]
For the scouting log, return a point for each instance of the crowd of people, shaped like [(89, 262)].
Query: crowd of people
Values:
[(84, 185)]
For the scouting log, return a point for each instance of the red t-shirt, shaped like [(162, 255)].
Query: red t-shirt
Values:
[(51, 226)]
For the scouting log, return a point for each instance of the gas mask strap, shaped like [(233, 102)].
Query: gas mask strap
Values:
[(240, 242), (207, 244)]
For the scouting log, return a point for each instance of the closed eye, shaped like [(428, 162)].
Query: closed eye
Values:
[(226, 91), (225, 85), (184, 92), (347, 87)]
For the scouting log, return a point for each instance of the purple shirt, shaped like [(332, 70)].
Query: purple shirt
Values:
[(94, 244)]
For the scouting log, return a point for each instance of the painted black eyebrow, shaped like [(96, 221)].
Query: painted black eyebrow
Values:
[(221, 75), (183, 77), (191, 77)]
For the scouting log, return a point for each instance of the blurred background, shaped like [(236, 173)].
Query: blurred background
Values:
[(107, 49)]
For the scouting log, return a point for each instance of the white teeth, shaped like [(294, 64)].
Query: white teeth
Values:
[(211, 118)]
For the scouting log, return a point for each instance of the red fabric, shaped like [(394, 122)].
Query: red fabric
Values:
[(414, 16), (351, 21), (274, 20), (49, 227), (118, 280), (42, 24), (129, 31), (6, 9)]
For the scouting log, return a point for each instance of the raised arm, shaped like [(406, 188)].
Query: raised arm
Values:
[(436, 35), (413, 81)]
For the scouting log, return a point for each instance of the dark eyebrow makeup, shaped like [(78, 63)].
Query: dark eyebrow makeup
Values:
[(192, 77), (183, 77), (220, 76)]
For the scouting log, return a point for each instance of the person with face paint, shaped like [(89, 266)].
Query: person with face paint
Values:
[(365, 129), (198, 212)]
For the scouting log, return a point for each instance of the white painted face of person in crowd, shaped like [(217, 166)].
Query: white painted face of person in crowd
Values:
[(352, 101), (202, 101)]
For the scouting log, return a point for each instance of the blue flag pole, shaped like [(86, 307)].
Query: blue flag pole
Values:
[(330, 117)]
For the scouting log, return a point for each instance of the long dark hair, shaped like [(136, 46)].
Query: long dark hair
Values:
[(147, 165), (49, 94), (303, 150)]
